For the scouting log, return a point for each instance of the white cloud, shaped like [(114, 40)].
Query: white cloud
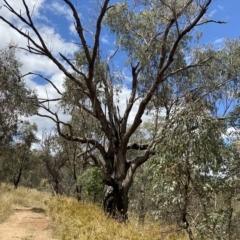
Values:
[(104, 40), (218, 43), (212, 13), (122, 100), (33, 5), (72, 29), (62, 10), (232, 131)]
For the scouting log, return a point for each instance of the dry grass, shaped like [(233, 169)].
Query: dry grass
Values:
[(77, 220), (6, 208), (10, 197)]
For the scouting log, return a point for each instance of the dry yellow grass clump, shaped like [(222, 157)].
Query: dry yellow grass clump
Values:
[(6, 208), (77, 220)]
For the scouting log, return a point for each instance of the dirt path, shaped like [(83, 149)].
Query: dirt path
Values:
[(26, 224)]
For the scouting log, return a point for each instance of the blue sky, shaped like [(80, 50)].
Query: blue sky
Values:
[(55, 21), (223, 10)]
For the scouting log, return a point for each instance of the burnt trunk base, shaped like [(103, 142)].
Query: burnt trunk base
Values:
[(115, 202)]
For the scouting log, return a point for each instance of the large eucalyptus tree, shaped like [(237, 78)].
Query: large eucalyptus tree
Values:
[(156, 38)]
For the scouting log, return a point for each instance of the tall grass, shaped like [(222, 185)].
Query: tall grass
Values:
[(6, 208), (77, 220)]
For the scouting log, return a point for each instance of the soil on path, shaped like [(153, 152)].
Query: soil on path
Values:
[(26, 224)]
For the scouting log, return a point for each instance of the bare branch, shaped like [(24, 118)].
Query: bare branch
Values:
[(73, 67), (202, 63), (41, 101), (211, 21), (135, 72), (46, 79), (71, 137), (79, 29), (97, 35)]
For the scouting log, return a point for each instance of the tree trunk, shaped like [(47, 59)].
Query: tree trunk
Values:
[(116, 202), (79, 192), (117, 184), (141, 209), (17, 179)]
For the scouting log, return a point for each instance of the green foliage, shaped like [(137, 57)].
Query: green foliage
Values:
[(193, 176), (15, 98), (91, 180), (16, 160), (139, 31)]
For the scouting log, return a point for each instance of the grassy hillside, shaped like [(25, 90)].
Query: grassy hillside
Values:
[(77, 220)]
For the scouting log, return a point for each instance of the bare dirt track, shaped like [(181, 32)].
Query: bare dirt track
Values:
[(26, 224)]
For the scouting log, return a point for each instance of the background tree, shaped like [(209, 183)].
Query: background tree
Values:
[(16, 158), (155, 38), (65, 165), (53, 161), (15, 98), (193, 173)]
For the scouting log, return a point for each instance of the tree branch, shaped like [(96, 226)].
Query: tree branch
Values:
[(136, 146), (135, 72), (97, 35), (79, 29), (46, 79), (162, 67)]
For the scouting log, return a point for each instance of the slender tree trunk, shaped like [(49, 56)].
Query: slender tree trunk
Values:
[(78, 188), (142, 200), (17, 179), (56, 187), (142, 211), (185, 206), (79, 192)]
